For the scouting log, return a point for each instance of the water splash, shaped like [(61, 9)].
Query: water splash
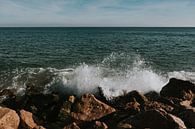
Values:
[(116, 74)]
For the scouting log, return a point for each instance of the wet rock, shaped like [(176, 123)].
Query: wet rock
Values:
[(64, 114), (157, 119), (88, 108), (121, 101), (178, 89), (72, 126), (188, 116), (44, 106), (152, 96), (9, 119), (27, 120)]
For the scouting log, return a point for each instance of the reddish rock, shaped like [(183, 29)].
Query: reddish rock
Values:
[(88, 108), (27, 121), (9, 119), (155, 119), (72, 126), (180, 89)]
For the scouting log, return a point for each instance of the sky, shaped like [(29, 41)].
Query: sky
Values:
[(98, 13)]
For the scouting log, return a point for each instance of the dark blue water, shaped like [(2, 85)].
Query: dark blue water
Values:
[(162, 49)]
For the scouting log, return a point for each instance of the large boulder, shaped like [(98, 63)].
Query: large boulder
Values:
[(9, 119), (88, 108), (180, 89), (155, 119)]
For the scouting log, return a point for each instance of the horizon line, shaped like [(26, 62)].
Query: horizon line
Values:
[(97, 26)]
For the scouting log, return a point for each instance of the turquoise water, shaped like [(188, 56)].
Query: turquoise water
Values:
[(111, 52)]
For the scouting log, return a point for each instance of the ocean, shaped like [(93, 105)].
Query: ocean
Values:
[(81, 59)]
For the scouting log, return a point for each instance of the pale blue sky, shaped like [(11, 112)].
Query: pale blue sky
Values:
[(97, 13)]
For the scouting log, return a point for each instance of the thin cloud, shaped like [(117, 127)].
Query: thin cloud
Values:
[(97, 13)]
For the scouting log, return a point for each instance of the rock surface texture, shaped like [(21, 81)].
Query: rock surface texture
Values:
[(172, 108)]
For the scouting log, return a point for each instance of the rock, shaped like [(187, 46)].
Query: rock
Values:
[(155, 119), (178, 89), (114, 118), (150, 105), (88, 108), (121, 101), (188, 116), (72, 126), (133, 107), (9, 119), (44, 106), (27, 121), (124, 126), (152, 96), (99, 125), (65, 110), (185, 103)]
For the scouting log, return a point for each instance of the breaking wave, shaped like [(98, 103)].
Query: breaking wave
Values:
[(116, 74)]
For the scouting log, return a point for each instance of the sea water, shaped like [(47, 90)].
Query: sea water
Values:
[(79, 60)]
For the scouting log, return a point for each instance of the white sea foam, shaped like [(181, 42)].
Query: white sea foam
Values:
[(114, 81)]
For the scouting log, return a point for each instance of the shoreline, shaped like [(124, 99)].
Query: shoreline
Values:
[(173, 107)]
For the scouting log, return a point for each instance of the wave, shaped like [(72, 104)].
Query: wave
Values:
[(115, 75)]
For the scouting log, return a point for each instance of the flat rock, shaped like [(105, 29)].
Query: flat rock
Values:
[(9, 119), (88, 108)]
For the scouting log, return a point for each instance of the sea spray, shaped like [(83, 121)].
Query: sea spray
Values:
[(116, 74)]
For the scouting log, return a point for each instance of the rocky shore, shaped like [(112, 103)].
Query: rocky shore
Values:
[(172, 108)]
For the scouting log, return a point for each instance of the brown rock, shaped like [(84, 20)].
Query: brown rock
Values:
[(27, 121), (72, 126), (9, 119), (155, 119), (124, 126), (100, 125), (157, 105), (178, 89), (121, 101), (113, 119), (133, 107), (88, 108)]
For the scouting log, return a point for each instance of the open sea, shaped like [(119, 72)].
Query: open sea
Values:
[(78, 60)]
